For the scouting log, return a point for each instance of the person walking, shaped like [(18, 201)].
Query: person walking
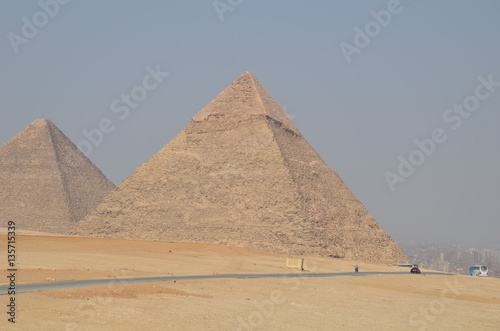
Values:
[(356, 268)]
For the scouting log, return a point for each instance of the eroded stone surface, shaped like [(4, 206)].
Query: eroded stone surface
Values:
[(237, 175)]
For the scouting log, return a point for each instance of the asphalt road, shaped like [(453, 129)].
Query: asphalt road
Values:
[(22, 288)]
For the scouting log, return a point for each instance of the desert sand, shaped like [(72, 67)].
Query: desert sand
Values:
[(378, 302)]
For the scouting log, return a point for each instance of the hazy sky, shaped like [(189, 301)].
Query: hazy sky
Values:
[(361, 86)]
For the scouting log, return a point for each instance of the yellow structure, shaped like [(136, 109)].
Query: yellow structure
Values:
[(293, 263)]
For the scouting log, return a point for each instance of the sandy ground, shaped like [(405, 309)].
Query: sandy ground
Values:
[(379, 302)]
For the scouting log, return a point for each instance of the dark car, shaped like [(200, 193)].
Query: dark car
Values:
[(414, 268)]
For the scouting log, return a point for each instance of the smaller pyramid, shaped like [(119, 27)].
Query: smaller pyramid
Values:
[(46, 183)]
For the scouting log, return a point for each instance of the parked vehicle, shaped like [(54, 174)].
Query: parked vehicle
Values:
[(478, 270), (414, 268)]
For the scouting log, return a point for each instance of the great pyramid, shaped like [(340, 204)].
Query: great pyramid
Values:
[(241, 174), (46, 183)]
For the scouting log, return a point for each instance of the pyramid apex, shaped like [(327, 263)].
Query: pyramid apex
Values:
[(246, 96), (41, 122), (249, 73)]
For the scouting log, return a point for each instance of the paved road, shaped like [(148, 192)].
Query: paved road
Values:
[(21, 288)]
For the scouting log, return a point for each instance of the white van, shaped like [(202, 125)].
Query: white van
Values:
[(478, 270)]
